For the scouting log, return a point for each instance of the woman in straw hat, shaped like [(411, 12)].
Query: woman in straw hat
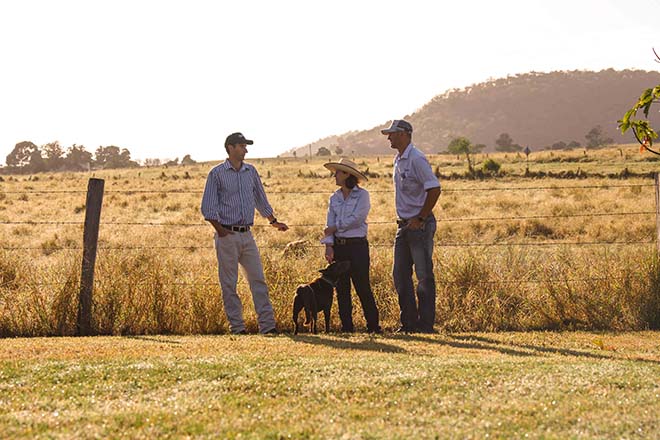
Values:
[(345, 239)]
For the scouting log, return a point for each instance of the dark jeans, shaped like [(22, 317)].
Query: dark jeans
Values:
[(358, 255), (415, 248)]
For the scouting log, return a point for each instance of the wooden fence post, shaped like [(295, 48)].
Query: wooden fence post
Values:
[(90, 241), (657, 212)]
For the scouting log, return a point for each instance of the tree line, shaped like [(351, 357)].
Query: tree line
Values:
[(505, 144), (27, 157)]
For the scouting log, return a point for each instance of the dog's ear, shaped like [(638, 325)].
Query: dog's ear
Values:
[(328, 267)]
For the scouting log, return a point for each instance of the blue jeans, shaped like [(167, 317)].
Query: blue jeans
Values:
[(415, 248)]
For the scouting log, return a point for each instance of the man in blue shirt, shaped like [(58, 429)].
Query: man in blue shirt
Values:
[(416, 191), (233, 191)]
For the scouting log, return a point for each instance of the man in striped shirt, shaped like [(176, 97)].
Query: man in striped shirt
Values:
[(233, 191)]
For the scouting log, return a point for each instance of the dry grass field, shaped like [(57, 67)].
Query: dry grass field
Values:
[(531, 248)]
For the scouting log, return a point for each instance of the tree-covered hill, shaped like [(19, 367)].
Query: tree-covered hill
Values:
[(538, 110)]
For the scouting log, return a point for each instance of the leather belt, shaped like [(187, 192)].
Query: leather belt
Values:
[(401, 222), (237, 228), (353, 240)]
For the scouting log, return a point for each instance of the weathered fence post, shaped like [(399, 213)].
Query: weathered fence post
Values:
[(657, 212), (90, 241)]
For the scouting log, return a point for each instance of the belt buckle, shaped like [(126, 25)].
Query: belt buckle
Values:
[(340, 241)]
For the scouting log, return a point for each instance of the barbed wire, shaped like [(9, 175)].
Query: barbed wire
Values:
[(441, 219), (243, 282), (459, 189), (376, 245)]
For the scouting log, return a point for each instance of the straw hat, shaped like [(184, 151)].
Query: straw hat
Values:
[(347, 166)]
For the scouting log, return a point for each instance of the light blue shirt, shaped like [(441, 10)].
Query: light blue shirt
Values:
[(230, 196), (348, 215), (413, 176)]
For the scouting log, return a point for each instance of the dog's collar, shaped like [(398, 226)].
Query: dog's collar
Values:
[(334, 285)]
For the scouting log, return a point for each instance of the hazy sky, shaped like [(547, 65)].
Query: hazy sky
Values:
[(168, 78)]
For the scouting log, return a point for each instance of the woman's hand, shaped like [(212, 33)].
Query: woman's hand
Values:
[(329, 253), (329, 230)]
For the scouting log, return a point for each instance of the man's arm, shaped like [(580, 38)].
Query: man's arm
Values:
[(210, 205), (222, 232), (425, 174), (432, 196), (262, 205)]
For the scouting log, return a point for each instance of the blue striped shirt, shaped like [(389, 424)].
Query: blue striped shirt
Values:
[(230, 196)]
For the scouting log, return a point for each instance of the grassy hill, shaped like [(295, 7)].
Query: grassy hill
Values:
[(536, 109)]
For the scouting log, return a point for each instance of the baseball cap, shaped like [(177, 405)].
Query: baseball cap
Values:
[(398, 125), (237, 138)]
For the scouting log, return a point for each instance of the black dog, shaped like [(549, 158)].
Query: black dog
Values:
[(317, 295)]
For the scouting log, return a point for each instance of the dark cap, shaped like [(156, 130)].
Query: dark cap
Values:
[(237, 138), (397, 126)]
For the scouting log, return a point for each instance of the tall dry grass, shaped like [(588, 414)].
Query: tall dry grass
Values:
[(159, 275)]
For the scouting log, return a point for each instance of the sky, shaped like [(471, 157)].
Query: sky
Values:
[(168, 78)]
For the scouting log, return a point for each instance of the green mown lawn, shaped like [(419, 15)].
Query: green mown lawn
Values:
[(501, 385)]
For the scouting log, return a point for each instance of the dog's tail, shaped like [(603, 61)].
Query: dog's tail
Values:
[(310, 306)]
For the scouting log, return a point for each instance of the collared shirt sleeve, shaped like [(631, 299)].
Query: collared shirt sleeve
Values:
[(210, 203), (260, 199), (424, 172), (331, 220), (356, 217)]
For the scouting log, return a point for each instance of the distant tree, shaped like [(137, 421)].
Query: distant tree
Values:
[(641, 128), (322, 151), (561, 145), (595, 138), (152, 162), (504, 143), (338, 150), (172, 163), (187, 160), (77, 158), (21, 155), (54, 155), (573, 144), (462, 145), (113, 157), (294, 154), (37, 163)]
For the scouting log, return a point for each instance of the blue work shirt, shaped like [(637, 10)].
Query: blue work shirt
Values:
[(348, 215), (413, 176)]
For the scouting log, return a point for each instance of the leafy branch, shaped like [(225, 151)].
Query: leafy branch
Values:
[(641, 128)]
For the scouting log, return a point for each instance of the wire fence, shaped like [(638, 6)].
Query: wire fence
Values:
[(317, 225), (214, 284), (377, 245), (445, 219), (444, 190), (202, 281)]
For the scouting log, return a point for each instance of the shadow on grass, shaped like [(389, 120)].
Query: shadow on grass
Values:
[(442, 340), (157, 339), (344, 342), (548, 350)]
